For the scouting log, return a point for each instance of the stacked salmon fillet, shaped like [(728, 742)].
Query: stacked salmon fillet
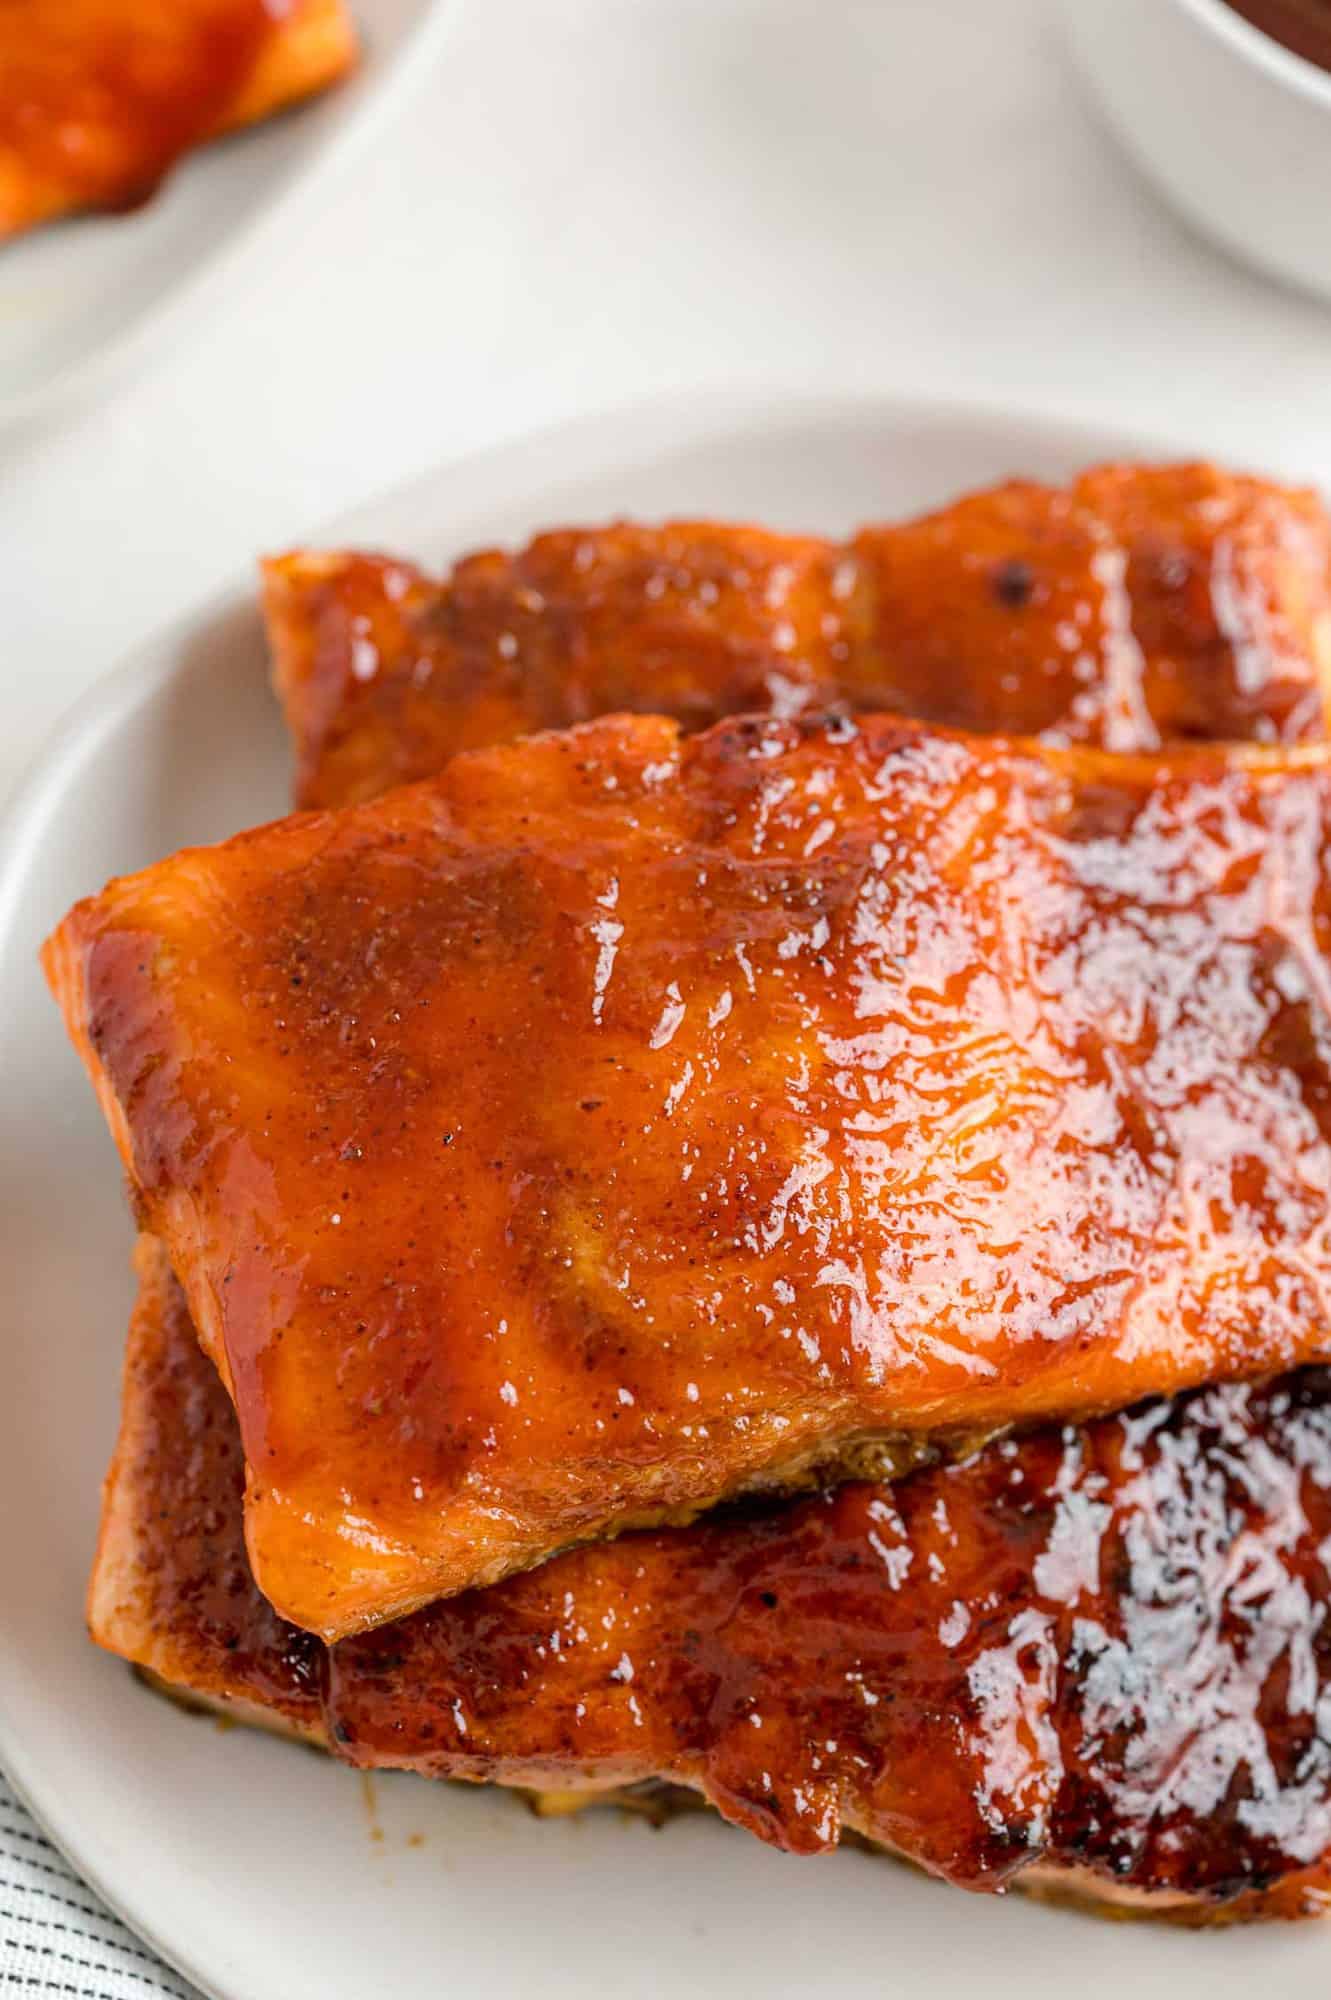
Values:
[(652, 1228)]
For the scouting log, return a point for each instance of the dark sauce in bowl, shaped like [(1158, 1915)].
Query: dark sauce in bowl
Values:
[(1304, 26)]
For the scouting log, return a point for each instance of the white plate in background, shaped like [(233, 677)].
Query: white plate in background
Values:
[(264, 1871), (84, 297)]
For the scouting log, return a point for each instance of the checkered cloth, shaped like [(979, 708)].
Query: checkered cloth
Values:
[(55, 1936)]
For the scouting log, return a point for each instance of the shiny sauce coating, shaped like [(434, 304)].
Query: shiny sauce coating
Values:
[(616, 1124), (1093, 1657), (1099, 1649), (1140, 605)]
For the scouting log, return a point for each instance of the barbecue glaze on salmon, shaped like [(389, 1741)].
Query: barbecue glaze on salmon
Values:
[(1139, 605), (617, 1124), (1090, 1660)]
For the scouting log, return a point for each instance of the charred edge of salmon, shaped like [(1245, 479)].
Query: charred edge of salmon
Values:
[(661, 1800)]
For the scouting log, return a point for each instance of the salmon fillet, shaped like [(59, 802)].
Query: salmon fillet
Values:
[(1140, 605), (617, 1124), (178, 1601), (1087, 1661), (100, 98)]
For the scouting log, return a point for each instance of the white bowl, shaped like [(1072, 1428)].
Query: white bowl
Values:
[(1234, 130), (82, 299)]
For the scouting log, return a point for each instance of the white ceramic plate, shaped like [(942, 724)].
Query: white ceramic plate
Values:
[(262, 1870), (81, 299)]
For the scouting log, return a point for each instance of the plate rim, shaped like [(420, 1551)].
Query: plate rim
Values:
[(386, 93), (643, 422)]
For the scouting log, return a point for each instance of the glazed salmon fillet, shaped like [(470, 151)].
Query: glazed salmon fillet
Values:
[(100, 98), (1141, 604), (1086, 1660), (620, 1123)]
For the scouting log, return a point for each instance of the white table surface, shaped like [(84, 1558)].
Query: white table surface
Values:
[(595, 199)]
